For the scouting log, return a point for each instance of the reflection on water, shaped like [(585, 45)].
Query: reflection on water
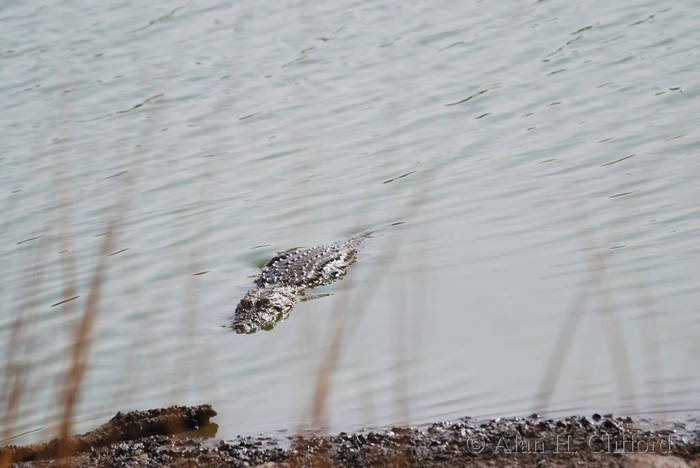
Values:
[(549, 262)]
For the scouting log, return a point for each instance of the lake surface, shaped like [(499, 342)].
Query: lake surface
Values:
[(528, 170)]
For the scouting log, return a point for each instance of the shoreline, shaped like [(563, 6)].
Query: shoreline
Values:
[(147, 438)]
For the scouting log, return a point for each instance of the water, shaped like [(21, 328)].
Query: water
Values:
[(549, 154)]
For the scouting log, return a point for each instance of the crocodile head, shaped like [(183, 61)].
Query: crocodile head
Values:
[(262, 308)]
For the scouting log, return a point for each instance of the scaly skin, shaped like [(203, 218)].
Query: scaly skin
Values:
[(284, 278)]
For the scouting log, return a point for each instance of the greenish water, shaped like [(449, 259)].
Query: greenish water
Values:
[(552, 148)]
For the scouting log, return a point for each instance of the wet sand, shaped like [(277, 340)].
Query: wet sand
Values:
[(144, 438)]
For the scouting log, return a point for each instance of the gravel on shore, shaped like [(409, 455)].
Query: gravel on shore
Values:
[(519, 442)]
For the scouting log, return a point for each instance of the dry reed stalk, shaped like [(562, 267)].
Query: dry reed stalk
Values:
[(188, 322), (15, 374), (69, 276), (400, 383), (184, 359), (82, 340), (598, 276), (647, 305), (325, 373), (347, 323)]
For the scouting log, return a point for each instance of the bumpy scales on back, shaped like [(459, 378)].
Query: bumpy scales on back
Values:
[(284, 278)]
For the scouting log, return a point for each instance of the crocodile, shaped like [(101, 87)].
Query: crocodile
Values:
[(284, 278)]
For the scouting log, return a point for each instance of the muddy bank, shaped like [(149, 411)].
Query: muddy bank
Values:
[(524, 442), (131, 426)]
